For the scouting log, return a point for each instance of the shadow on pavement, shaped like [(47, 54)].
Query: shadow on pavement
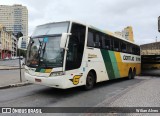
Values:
[(61, 93), (151, 72)]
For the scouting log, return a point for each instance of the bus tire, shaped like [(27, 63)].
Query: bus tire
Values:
[(130, 74), (90, 81), (133, 73)]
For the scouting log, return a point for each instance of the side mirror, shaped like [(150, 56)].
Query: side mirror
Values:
[(64, 39), (22, 43)]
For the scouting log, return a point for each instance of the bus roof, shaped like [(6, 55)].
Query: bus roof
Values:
[(103, 31)]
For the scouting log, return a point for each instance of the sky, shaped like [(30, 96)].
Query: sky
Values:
[(112, 15)]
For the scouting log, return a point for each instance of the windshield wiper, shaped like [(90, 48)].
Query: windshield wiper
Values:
[(32, 42), (44, 49), (41, 52)]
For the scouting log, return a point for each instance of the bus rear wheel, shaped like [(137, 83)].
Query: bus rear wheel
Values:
[(90, 81), (130, 74), (133, 73)]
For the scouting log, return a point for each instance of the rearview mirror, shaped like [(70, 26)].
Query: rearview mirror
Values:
[(64, 39)]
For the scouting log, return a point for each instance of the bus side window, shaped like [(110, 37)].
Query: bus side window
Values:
[(90, 41), (103, 42), (116, 45), (107, 44), (129, 48), (123, 47), (134, 50), (137, 51), (97, 40)]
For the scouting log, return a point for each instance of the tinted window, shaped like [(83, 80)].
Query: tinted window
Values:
[(75, 47), (137, 50), (97, 40), (90, 42), (106, 43), (116, 45), (134, 49), (93, 38), (124, 47), (129, 48)]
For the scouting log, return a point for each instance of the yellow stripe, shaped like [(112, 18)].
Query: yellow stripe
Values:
[(48, 70), (124, 67)]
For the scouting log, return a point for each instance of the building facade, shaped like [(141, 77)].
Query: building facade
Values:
[(14, 18), (14, 46), (118, 33), (5, 40), (126, 33), (8, 43), (150, 49)]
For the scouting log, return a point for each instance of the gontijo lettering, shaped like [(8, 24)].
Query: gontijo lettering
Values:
[(130, 58)]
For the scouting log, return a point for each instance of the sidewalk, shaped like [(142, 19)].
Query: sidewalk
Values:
[(11, 78), (9, 67), (10, 74), (144, 94)]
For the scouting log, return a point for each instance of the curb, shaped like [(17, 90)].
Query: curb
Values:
[(10, 65), (11, 69), (15, 85)]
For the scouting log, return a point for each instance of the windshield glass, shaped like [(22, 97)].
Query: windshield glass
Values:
[(51, 29), (45, 52), (44, 47)]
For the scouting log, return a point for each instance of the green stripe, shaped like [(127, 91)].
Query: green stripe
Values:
[(110, 64), (114, 64), (38, 69)]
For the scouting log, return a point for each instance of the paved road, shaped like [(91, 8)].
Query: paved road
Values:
[(42, 96)]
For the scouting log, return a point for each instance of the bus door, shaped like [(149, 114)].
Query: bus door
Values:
[(75, 47)]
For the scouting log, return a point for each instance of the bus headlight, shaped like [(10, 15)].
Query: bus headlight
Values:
[(56, 74)]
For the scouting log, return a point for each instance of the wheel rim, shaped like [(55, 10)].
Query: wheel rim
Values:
[(90, 81), (130, 75), (134, 73)]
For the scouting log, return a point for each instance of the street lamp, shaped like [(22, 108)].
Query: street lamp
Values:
[(20, 41), (19, 34)]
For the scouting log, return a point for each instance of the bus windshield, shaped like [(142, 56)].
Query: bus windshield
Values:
[(51, 29), (45, 52), (44, 47)]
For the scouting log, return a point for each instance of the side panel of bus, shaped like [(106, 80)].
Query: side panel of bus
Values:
[(117, 64), (110, 65)]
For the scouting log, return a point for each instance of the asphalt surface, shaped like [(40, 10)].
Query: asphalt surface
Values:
[(42, 96), (39, 96), (141, 91)]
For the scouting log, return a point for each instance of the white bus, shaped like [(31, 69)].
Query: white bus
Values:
[(70, 54)]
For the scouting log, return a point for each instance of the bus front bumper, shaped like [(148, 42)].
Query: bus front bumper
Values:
[(61, 82)]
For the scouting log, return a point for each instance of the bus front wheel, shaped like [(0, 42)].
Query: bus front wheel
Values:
[(90, 81)]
